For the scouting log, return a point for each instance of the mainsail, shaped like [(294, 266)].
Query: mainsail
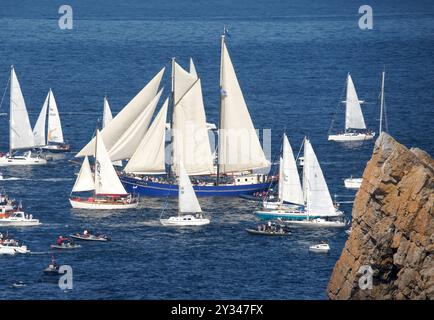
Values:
[(20, 131), (149, 155), (290, 189), (239, 147), (54, 133), (190, 143), (353, 114), (124, 119), (317, 195), (127, 144), (106, 179), (85, 180), (187, 200), (39, 129)]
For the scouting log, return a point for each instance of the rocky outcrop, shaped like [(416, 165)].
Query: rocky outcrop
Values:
[(393, 229)]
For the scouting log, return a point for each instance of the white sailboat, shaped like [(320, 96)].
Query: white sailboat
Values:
[(317, 200), (108, 191), (20, 131), (355, 183), (189, 210), (53, 140), (355, 127), (290, 193)]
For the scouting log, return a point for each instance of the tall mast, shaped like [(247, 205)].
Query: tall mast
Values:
[(382, 102), (171, 112), (10, 112), (95, 161), (221, 103)]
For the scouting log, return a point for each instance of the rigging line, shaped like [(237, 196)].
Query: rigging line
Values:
[(4, 92)]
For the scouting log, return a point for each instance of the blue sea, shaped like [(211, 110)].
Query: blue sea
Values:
[(291, 58)]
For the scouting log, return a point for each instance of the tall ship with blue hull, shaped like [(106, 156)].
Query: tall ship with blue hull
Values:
[(236, 167)]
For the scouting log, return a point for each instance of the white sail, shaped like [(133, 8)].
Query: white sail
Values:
[(182, 81), (353, 114), (193, 68), (106, 118), (54, 133), (149, 155), (239, 147), (85, 180), (123, 120), (39, 129), (291, 187), (127, 144), (191, 144), (187, 200), (106, 179), (318, 199), (107, 113), (20, 133)]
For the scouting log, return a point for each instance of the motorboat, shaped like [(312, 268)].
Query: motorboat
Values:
[(270, 229), (320, 248), (11, 246), (353, 183), (87, 236), (19, 219)]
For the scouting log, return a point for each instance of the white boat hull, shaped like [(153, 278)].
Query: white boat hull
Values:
[(353, 183), (21, 161), (7, 222), (184, 221), (320, 248), (317, 223), (11, 250), (351, 137), (102, 205)]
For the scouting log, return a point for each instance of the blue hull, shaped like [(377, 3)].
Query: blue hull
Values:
[(155, 189)]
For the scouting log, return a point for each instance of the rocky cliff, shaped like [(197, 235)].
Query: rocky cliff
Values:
[(393, 229)]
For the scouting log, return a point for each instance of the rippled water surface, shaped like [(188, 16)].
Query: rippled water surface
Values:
[(291, 58)]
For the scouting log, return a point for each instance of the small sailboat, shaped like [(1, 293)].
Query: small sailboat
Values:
[(20, 132), (189, 210), (108, 191), (353, 183), (317, 201), (290, 195), (53, 140), (355, 127), (320, 248), (107, 116)]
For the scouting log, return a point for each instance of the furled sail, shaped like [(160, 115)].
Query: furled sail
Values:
[(20, 131), (353, 114), (239, 147), (127, 144), (39, 129), (123, 120), (187, 200), (190, 143), (318, 199), (149, 156), (290, 189), (54, 133), (85, 180), (106, 179)]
